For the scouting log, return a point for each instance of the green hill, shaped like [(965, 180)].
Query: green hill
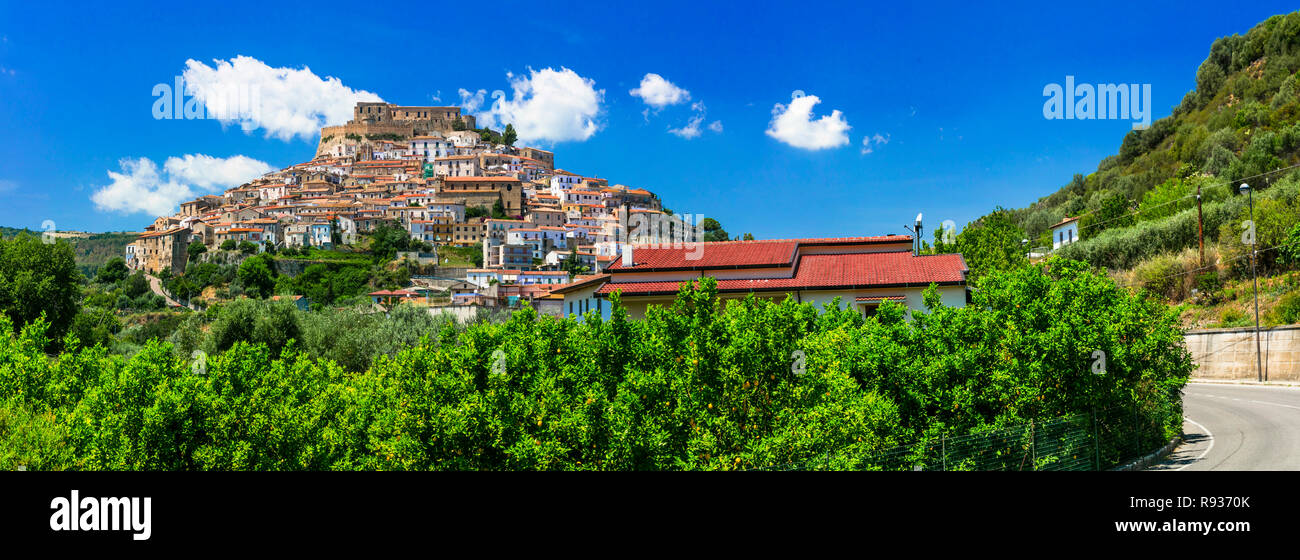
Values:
[(91, 251), (1138, 211), (1238, 125)]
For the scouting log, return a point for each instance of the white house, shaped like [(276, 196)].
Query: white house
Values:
[(269, 193), (430, 147), (1065, 232), (484, 277), (563, 182), (542, 277), (580, 296)]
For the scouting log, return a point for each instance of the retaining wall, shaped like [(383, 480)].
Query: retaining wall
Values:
[(1229, 354)]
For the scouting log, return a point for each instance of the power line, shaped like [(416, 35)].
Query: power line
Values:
[(1221, 183), (1208, 266)]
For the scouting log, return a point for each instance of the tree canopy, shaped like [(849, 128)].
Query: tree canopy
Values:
[(36, 279)]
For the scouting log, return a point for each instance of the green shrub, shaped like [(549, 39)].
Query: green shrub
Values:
[(695, 385), (33, 440), (1233, 318), (1287, 310), (1163, 276), (272, 324), (39, 279)]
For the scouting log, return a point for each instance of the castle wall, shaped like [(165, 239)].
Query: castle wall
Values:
[(372, 119)]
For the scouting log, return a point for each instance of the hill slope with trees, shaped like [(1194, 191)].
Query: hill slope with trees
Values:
[(1138, 212)]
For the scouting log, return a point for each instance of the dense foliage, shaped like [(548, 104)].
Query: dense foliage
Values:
[(1240, 124), (387, 240), (90, 251), (38, 279), (696, 385), (993, 242)]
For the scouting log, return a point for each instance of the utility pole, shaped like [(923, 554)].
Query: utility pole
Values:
[(1254, 243), (1200, 225)]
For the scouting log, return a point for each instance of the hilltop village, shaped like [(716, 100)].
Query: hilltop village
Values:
[(561, 240)]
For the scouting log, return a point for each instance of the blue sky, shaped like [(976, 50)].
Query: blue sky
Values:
[(955, 91)]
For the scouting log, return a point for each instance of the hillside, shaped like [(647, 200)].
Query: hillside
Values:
[(1239, 124), (91, 250), (1138, 213)]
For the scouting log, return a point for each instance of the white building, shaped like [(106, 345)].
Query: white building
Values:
[(563, 182), (1065, 232), (428, 148)]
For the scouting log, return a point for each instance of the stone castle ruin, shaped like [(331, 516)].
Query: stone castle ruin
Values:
[(375, 121)]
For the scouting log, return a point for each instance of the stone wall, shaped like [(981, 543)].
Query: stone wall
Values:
[(463, 314), (1229, 354), (331, 136)]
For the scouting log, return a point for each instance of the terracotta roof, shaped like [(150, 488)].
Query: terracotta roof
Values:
[(737, 254), (163, 233), (832, 271), (502, 179), (1063, 222), (580, 282), (712, 255)]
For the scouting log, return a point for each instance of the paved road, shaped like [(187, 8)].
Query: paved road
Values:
[(155, 285), (1238, 428)]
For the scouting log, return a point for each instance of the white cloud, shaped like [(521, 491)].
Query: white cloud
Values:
[(692, 128), (794, 125), (870, 143), (207, 172), (7, 186), (142, 187), (657, 92), (471, 102), (548, 105), (287, 102)]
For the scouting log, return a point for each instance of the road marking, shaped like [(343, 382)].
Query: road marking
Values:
[(1245, 385), (1276, 404), (1207, 449)]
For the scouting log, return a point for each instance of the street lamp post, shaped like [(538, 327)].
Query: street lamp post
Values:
[(1259, 362)]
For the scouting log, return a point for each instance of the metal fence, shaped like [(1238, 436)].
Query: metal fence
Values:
[(1098, 440)]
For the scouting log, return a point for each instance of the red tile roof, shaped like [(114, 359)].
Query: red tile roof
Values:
[(711, 255), (831, 271), (1063, 222), (501, 179), (736, 254), (580, 282)]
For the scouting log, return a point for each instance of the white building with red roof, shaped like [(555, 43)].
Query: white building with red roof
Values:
[(1065, 232), (862, 272)]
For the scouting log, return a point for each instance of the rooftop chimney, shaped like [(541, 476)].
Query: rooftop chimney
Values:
[(916, 238), (627, 255)]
